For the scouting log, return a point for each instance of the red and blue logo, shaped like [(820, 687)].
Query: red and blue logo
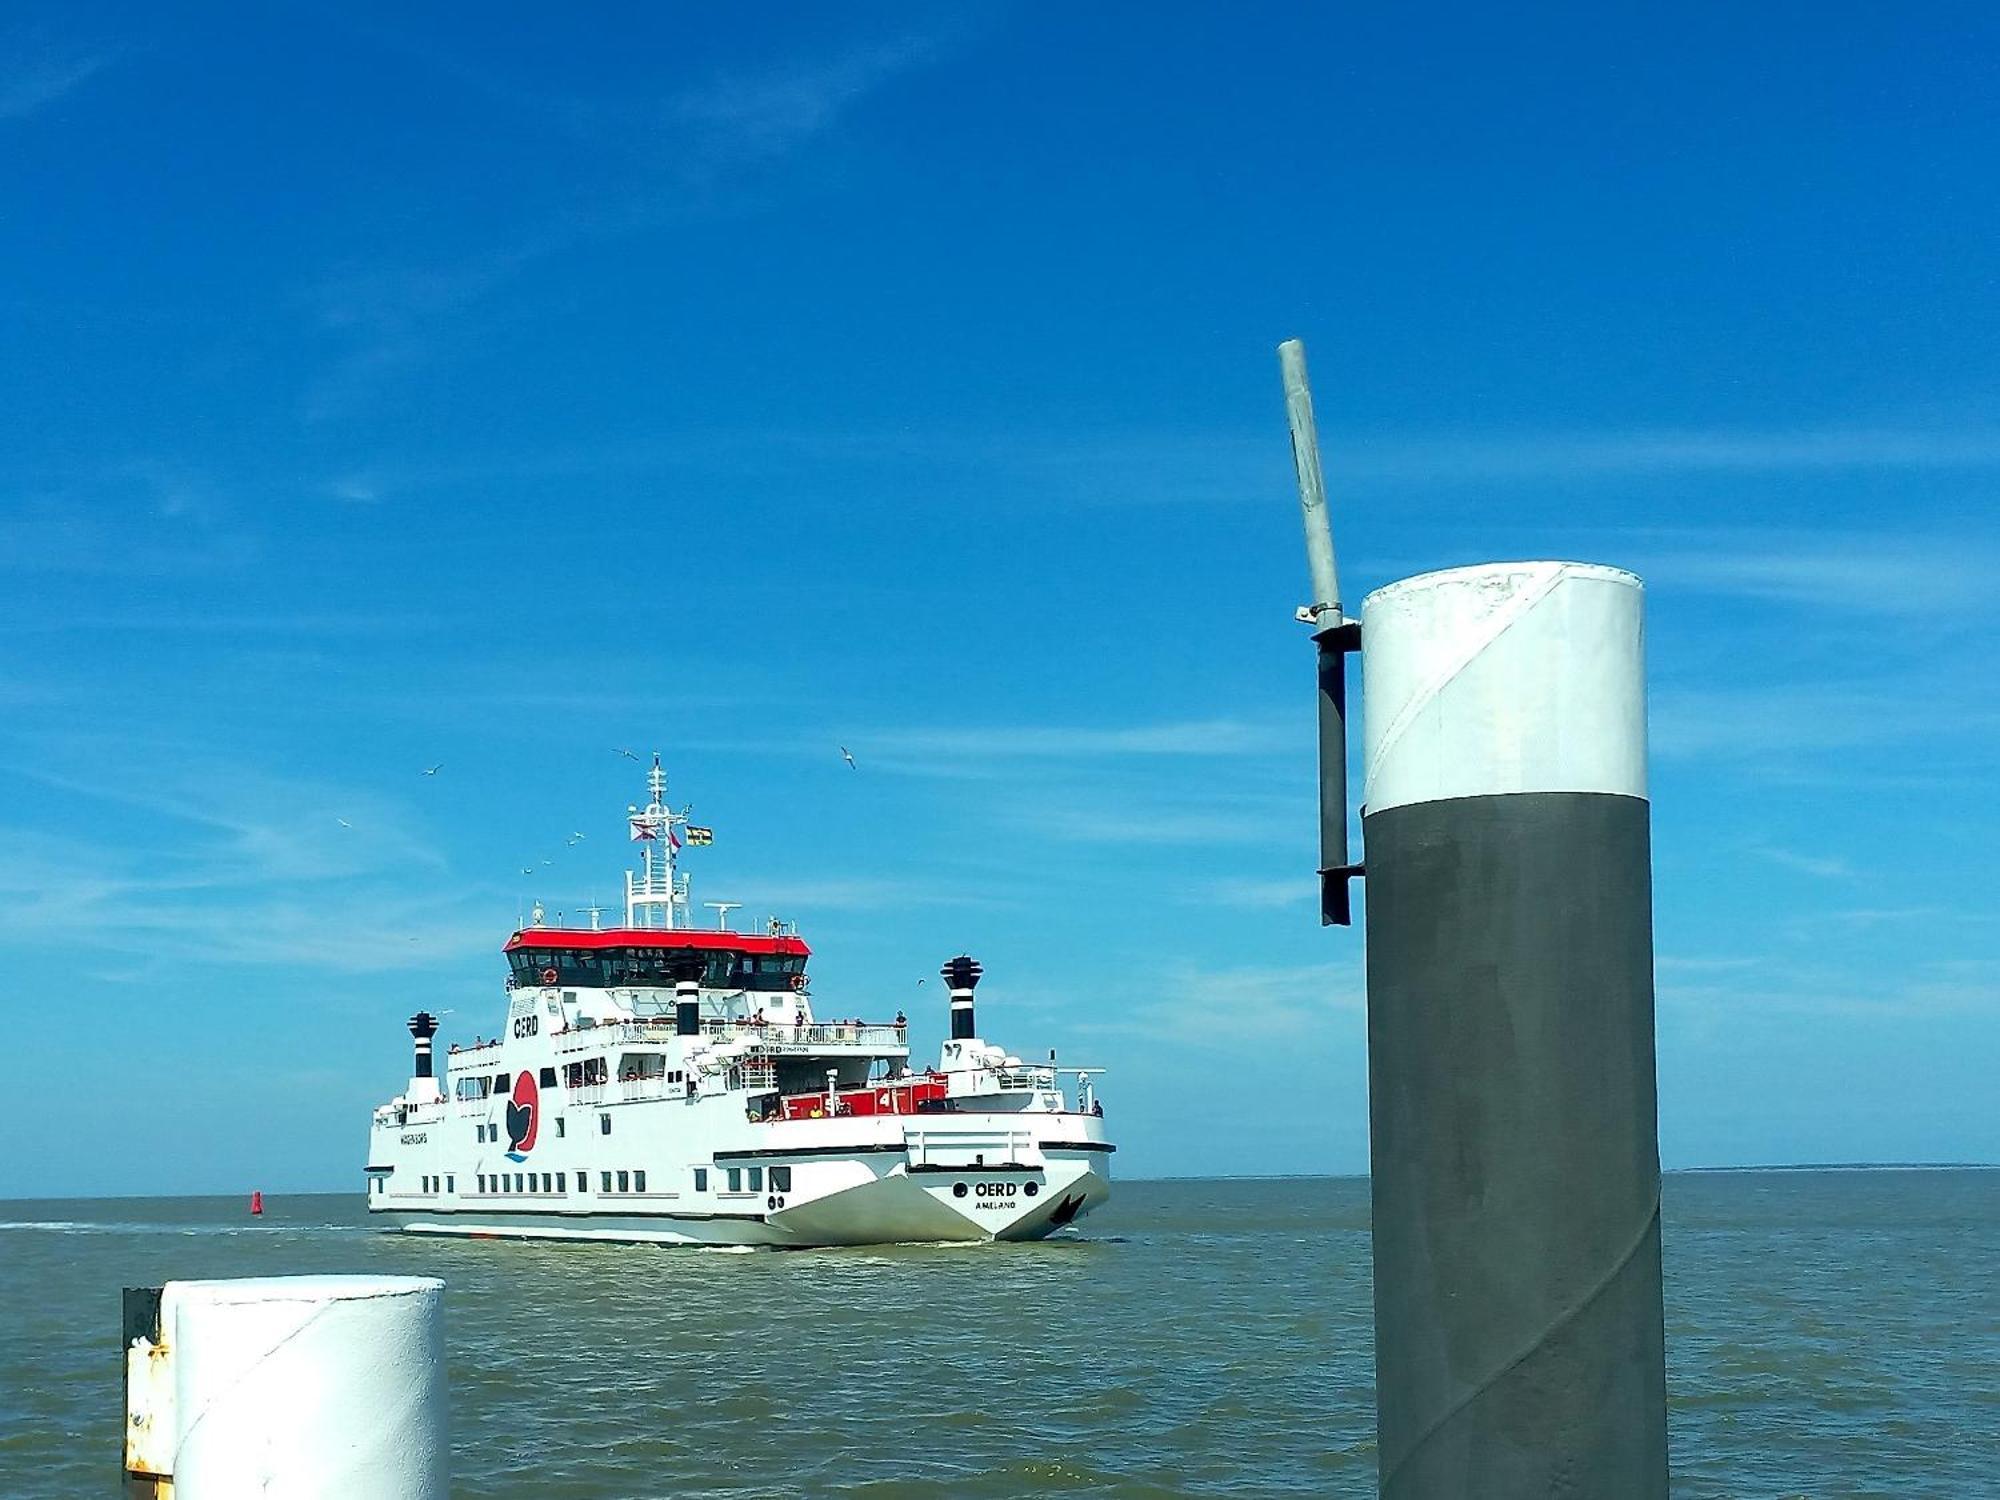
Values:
[(524, 1115)]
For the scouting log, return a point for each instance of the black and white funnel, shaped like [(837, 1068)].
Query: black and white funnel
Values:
[(423, 1026), (961, 977), (1519, 1348)]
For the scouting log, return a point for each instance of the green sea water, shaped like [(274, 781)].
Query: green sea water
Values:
[(1829, 1333)]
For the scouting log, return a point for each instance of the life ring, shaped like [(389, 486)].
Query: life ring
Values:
[(798, 981), (549, 976)]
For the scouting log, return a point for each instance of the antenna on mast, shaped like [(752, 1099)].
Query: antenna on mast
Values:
[(1333, 634), (657, 886)]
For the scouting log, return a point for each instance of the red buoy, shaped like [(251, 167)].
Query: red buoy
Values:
[(256, 1202)]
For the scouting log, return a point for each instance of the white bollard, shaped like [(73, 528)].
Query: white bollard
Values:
[(302, 1386)]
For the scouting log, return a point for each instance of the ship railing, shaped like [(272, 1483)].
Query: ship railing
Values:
[(1034, 1078), (819, 1033), (971, 1148)]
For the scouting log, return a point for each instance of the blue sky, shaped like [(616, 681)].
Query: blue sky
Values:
[(499, 389)]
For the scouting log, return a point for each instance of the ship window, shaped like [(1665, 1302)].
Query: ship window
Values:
[(604, 1182), (701, 1179), (548, 1078), (499, 1083), (638, 1182), (735, 1179), (604, 1124), (781, 1179), (560, 1132), (624, 1182), (756, 1179), (450, 1182), (482, 1182), (562, 1182)]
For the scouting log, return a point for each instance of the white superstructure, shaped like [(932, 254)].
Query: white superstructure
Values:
[(658, 1081)]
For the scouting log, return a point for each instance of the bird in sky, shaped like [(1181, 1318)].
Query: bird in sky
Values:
[(574, 838), (848, 758), (629, 755), (343, 822), (433, 770), (528, 870)]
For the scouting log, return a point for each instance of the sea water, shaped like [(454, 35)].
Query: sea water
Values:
[(1828, 1333)]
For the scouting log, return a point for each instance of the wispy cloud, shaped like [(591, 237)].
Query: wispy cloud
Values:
[(1195, 737), (1895, 573), (1787, 721), (1585, 455), (127, 518), (1822, 867), (1255, 894), (672, 159), (1182, 1005), (35, 74), (1163, 825), (227, 865), (797, 898), (1935, 987), (768, 113)]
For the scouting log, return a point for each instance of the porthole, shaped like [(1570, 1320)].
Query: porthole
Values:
[(1032, 1188), (958, 1190)]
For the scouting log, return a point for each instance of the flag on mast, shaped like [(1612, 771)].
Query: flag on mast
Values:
[(643, 828)]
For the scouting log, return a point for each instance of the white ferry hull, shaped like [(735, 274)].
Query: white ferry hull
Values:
[(883, 1201)]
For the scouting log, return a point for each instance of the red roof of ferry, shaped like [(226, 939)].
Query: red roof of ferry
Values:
[(703, 939)]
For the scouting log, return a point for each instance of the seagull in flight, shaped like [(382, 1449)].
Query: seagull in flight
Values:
[(433, 770), (848, 758), (343, 822), (629, 755), (574, 838), (528, 870)]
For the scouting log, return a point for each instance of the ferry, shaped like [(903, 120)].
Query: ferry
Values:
[(662, 1082)]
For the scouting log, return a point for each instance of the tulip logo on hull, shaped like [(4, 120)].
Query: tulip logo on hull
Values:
[(524, 1111)]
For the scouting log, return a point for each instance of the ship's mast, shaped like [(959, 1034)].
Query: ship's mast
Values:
[(654, 892)]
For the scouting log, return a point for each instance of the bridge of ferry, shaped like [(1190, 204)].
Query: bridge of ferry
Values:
[(656, 958)]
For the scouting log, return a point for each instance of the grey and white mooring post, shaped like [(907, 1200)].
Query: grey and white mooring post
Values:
[(1519, 1338)]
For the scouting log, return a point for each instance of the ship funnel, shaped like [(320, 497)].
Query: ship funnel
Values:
[(687, 1008), (423, 1026), (961, 974)]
